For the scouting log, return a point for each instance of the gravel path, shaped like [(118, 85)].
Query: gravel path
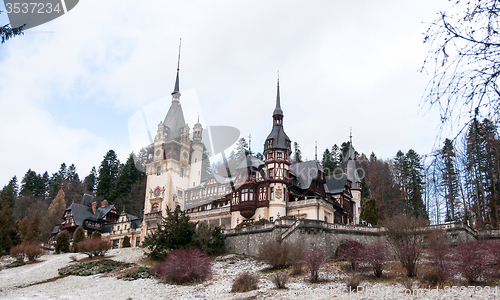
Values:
[(226, 269)]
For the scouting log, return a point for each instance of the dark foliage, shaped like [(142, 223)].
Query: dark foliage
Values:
[(62, 242), (439, 268), (184, 266), (210, 240), (245, 282), (78, 237), (175, 232), (93, 268), (126, 242)]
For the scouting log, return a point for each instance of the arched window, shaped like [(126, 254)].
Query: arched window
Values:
[(155, 207)]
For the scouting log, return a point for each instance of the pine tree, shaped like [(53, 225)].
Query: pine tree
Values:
[(34, 228), (241, 150), (328, 163), (9, 192), (10, 236), (90, 182), (449, 179), (108, 172), (23, 227)]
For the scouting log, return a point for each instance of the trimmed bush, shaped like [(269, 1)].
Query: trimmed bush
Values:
[(314, 259), (32, 251), (245, 282), (62, 242), (78, 237), (126, 242), (184, 266), (94, 247)]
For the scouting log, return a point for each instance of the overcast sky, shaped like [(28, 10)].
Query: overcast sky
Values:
[(69, 89)]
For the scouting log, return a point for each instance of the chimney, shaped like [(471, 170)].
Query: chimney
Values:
[(94, 207), (104, 203)]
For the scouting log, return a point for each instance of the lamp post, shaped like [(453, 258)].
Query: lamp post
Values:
[(298, 214)]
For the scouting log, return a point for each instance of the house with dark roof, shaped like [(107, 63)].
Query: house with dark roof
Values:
[(104, 219)]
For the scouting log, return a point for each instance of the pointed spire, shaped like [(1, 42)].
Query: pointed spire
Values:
[(278, 113), (176, 87), (351, 148), (250, 143), (316, 151)]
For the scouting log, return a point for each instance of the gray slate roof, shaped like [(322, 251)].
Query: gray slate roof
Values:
[(174, 120), (250, 161), (336, 183), (279, 137), (306, 172)]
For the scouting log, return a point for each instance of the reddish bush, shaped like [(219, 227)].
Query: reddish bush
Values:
[(184, 266), (375, 255), (314, 258), (440, 266), (471, 260), (32, 251), (494, 257), (352, 252), (17, 252), (94, 247)]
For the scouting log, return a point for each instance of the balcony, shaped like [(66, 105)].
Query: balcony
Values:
[(153, 219)]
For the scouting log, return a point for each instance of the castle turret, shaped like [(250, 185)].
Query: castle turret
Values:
[(353, 177), (277, 152)]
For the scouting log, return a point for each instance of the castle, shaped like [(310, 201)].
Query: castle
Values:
[(271, 189), (254, 190)]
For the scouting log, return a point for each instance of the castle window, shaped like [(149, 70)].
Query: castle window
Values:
[(272, 194), (271, 173), (158, 171), (250, 195), (179, 193), (195, 159), (137, 241), (279, 155), (154, 208), (270, 219), (182, 172), (244, 195)]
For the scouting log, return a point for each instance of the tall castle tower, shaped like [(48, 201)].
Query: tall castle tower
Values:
[(352, 175), (277, 152), (173, 163)]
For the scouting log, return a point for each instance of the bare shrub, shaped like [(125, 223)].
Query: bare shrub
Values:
[(73, 258), (245, 282), (32, 251), (375, 256), (494, 257), (184, 266), (275, 253), (407, 283), (314, 259), (352, 252), (280, 280), (296, 257), (471, 260), (439, 268), (352, 282), (407, 237), (17, 252), (94, 247)]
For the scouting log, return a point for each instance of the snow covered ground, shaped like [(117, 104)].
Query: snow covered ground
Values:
[(21, 283)]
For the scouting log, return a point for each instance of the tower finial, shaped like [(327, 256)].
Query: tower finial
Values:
[(316, 151), (350, 135), (250, 143), (176, 87), (278, 113)]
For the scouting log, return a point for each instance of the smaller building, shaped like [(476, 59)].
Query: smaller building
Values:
[(126, 226), (104, 219)]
